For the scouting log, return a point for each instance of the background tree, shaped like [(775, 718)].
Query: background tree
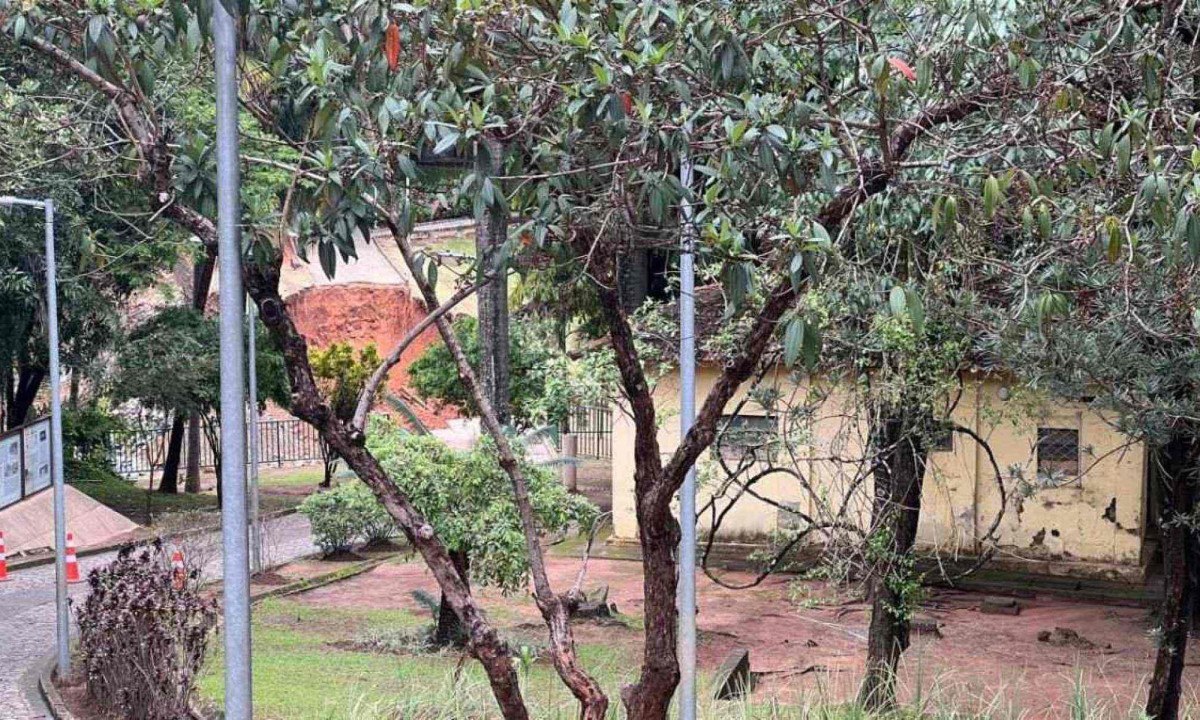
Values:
[(341, 375), (171, 364), (544, 382)]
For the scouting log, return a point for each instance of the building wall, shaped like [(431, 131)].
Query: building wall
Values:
[(1098, 518)]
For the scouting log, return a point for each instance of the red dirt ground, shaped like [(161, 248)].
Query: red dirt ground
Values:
[(802, 649)]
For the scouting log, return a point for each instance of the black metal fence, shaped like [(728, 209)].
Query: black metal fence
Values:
[(279, 442), (592, 426)]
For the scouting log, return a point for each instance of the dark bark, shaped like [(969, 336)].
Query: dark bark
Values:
[(1177, 465), (29, 382), (170, 477), (329, 460), (899, 474), (491, 232), (262, 282), (195, 436), (449, 631), (202, 273)]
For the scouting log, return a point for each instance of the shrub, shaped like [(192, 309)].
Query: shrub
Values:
[(336, 518), (142, 639), (88, 432), (376, 523), (346, 514)]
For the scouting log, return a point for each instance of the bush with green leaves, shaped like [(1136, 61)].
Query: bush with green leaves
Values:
[(468, 499), (346, 515)]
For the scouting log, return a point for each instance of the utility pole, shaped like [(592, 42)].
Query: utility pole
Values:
[(687, 415), (62, 613), (238, 695)]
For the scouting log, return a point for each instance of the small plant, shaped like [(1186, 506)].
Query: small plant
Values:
[(142, 638)]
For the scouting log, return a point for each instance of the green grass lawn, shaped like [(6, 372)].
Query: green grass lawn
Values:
[(290, 477), (151, 508), (306, 668)]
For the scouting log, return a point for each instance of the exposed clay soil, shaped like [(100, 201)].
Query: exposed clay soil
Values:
[(816, 647)]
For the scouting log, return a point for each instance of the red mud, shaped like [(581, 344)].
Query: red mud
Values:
[(810, 650), (361, 314)]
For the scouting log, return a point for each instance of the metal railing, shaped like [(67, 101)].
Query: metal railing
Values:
[(25, 462), (592, 426), (136, 453)]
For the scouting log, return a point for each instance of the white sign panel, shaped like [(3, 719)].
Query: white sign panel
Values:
[(37, 457), (10, 470)]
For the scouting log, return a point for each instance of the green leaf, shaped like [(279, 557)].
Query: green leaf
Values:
[(1123, 155), (793, 340), (916, 310), (991, 196), (898, 301), (448, 141)]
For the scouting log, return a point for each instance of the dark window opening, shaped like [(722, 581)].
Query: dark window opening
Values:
[(942, 439), (1057, 454)]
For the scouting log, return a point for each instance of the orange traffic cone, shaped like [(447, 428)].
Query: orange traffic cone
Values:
[(3, 559), (72, 561), (178, 572)]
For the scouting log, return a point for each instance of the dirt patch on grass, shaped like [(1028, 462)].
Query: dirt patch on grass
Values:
[(818, 647)]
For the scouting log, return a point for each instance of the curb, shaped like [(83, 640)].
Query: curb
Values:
[(53, 699), (48, 558), (317, 581)]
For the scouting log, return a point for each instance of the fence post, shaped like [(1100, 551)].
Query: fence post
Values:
[(570, 464), (278, 445)]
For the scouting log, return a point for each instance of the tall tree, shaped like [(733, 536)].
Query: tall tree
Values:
[(797, 118)]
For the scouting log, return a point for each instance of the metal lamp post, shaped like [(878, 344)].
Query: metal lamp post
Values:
[(56, 443), (687, 415), (238, 696)]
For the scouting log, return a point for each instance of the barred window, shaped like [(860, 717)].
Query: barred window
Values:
[(747, 434), (942, 440), (1057, 454)]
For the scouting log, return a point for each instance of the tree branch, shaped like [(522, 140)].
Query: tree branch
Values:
[(363, 406)]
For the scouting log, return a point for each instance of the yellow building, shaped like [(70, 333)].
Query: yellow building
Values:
[(1074, 488)]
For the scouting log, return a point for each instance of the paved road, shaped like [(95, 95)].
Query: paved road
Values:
[(27, 609)]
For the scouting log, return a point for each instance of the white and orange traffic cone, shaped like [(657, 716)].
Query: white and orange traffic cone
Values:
[(3, 559), (73, 575), (178, 571)]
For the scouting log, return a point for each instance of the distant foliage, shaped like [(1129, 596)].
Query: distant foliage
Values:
[(544, 382), (142, 639)]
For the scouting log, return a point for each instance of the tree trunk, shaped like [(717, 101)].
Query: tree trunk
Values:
[(195, 437), (29, 381), (202, 273), (898, 475), (491, 232), (170, 477), (650, 697), (1178, 470), (329, 460), (485, 643), (450, 631)]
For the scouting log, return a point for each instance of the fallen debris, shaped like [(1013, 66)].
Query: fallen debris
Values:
[(1065, 637), (995, 605)]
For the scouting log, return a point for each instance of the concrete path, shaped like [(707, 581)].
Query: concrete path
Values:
[(27, 629)]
